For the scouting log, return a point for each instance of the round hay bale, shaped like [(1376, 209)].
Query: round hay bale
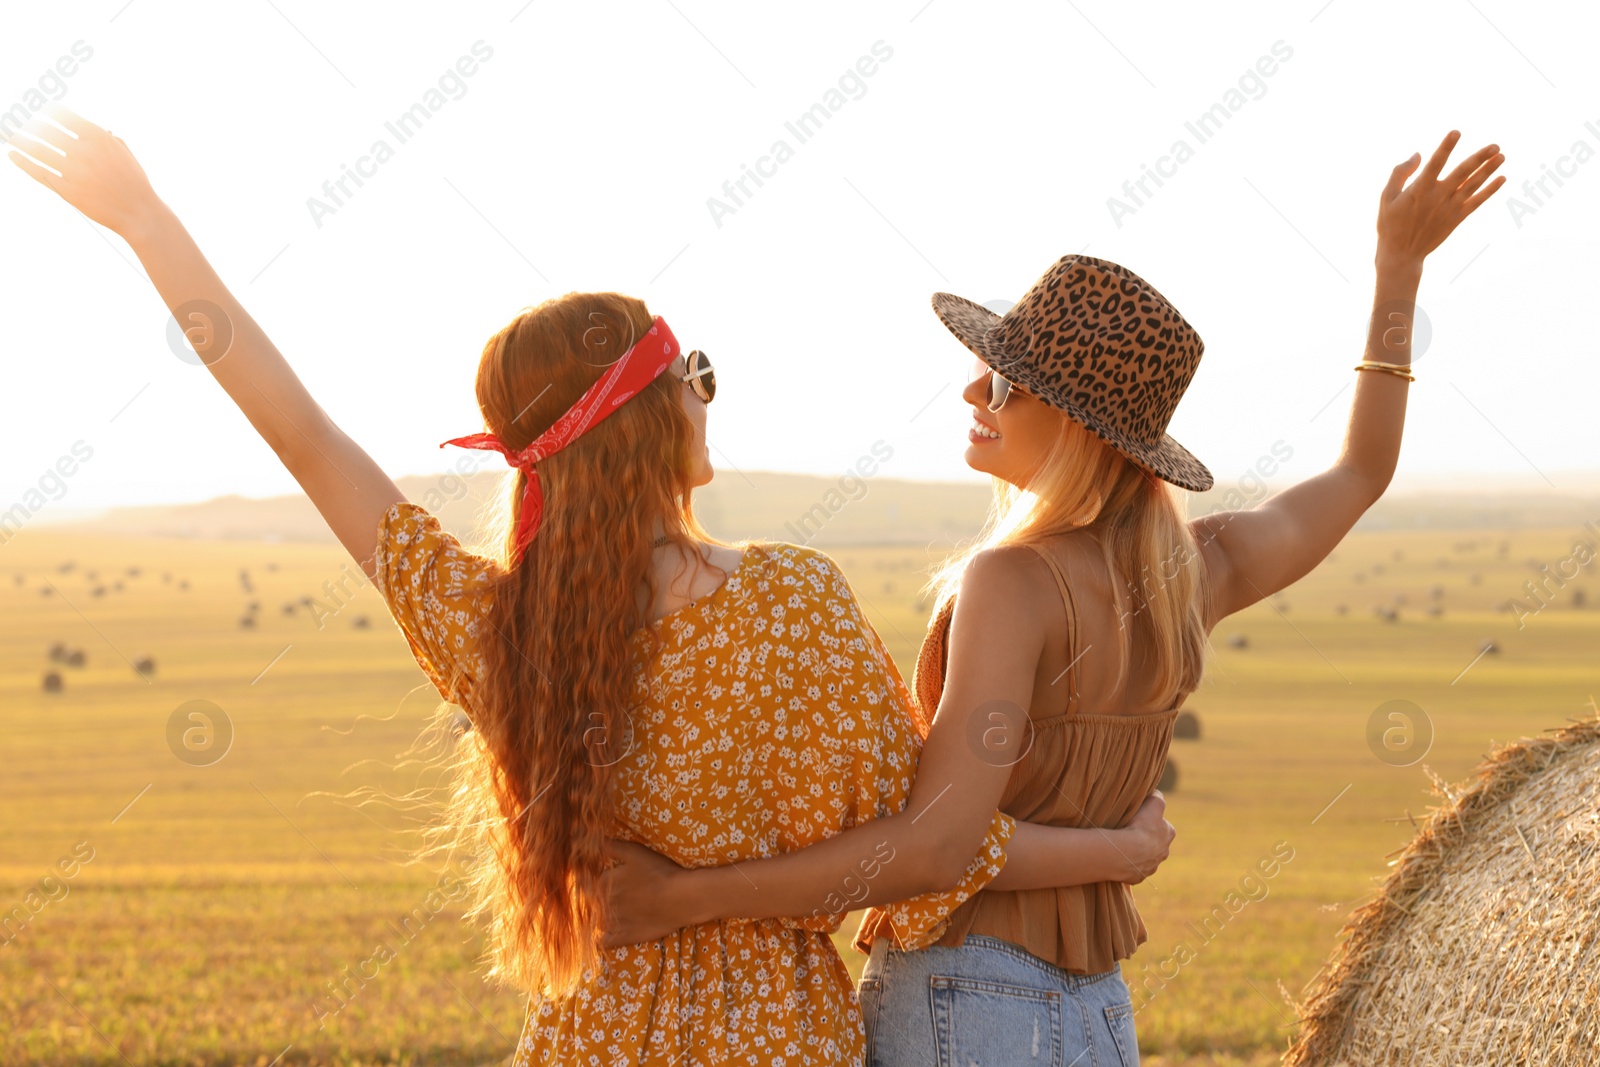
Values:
[(58, 652), (1238, 641), (1483, 943), (1169, 777), (1187, 726), (288, 609), (361, 622), (1341, 609), (75, 658), (144, 665), (247, 622), (52, 682), (183, 583), (1490, 647)]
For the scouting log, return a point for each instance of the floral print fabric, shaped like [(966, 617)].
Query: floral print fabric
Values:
[(771, 718)]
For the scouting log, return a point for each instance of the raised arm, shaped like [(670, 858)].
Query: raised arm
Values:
[(99, 176), (977, 735), (1251, 554)]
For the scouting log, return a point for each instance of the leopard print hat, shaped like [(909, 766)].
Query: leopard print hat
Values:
[(1094, 340)]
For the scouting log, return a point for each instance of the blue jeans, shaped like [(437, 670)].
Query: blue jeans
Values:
[(990, 1003)]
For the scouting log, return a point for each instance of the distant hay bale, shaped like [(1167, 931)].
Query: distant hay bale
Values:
[(183, 583), (76, 657), (1483, 943), (361, 622), (1187, 726), (1169, 777), (144, 665), (98, 590), (52, 682), (1341, 609), (288, 608), (1434, 611), (1386, 613), (58, 652), (1238, 641), (1579, 598), (1489, 647), (247, 622)]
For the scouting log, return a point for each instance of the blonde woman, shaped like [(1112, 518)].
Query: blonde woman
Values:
[(1066, 639), (625, 674)]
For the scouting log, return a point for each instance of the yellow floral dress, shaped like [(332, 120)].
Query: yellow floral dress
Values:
[(772, 718)]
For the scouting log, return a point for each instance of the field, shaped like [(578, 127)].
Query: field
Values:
[(222, 897)]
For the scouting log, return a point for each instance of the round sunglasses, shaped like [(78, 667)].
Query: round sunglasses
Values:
[(999, 387), (701, 378)]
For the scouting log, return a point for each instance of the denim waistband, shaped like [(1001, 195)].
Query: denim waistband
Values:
[(881, 947)]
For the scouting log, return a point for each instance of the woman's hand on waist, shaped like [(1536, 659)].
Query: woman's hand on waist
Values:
[(647, 895), (1145, 842)]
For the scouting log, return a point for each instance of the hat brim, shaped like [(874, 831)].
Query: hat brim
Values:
[(977, 327)]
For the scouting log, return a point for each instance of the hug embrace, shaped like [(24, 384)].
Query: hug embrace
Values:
[(688, 759)]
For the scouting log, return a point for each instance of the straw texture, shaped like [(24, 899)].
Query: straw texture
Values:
[(1482, 945)]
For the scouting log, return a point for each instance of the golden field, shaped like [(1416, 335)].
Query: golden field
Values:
[(218, 902)]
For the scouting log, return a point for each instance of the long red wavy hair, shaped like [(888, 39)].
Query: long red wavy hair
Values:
[(532, 804)]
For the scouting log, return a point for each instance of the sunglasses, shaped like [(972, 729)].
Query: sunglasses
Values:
[(999, 387), (701, 378)]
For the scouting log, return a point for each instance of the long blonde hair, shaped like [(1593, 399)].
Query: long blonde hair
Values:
[(1082, 480)]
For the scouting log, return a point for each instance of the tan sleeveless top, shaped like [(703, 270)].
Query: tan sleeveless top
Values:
[(1082, 770)]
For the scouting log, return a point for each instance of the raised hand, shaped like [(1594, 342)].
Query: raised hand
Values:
[(1414, 220), (98, 174)]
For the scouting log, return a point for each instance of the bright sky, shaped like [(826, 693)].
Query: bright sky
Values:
[(582, 150)]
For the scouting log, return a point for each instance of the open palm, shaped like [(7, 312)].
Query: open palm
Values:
[(97, 172), (1414, 220)]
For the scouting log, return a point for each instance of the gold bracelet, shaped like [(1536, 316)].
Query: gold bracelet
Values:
[(1389, 368)]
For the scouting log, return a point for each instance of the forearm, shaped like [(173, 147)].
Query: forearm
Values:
[(1377, 415), (878, 862), (233, 347), (1044, 857)]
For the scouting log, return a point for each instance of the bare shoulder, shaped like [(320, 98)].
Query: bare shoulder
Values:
[(1214, 565), (1011, 582)]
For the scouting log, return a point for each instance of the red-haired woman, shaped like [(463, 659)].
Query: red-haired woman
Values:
[(625, 675)]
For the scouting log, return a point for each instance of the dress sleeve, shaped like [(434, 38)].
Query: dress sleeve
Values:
[(885, 786), (438, 593)]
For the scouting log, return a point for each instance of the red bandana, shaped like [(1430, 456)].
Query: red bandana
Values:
[(639, 366)]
